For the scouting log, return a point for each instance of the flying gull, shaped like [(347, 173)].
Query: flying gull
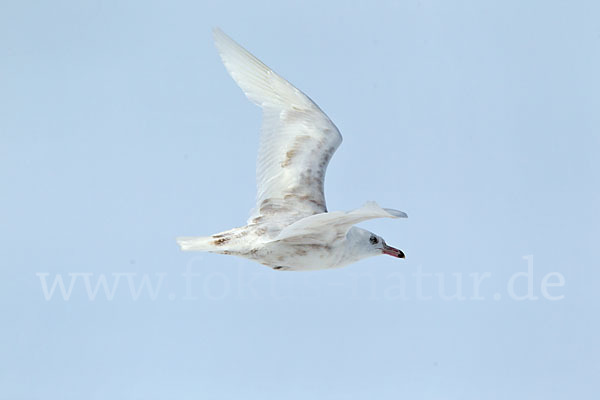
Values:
[(290, 227)]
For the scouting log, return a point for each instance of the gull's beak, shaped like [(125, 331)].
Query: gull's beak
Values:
[(391, 251)]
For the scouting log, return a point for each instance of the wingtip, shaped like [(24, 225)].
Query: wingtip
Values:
[(219, 37), (392, 212), (396, 213), (217, 32)]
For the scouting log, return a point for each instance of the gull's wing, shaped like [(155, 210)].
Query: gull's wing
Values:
[(328, 227), (297, 138)]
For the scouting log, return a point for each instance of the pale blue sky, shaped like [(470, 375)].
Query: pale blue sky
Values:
[(120, 130)]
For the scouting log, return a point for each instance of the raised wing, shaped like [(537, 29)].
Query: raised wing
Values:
[(297, 139), (328, 227)]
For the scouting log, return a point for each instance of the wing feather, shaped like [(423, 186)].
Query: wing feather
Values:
[(320, 227), (297, 138)]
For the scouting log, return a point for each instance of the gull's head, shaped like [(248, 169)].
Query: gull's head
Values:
[(363, 243)]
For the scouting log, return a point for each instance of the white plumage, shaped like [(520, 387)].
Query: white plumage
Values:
[(290, 227)]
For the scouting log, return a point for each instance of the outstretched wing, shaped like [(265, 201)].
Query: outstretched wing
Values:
[(297, 138), (328, 227)]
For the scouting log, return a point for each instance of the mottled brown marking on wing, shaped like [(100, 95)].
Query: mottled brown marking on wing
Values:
[(303, 198), (288, 158), (271, 206)]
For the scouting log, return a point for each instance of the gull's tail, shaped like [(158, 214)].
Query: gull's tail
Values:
[(196, 243), (217, 243)]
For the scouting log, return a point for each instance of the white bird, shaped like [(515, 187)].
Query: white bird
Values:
[(290, 228)]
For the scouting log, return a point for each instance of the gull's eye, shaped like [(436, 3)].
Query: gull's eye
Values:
[(373, 239)]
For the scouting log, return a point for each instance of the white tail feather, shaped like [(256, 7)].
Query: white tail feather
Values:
[(196, 243)]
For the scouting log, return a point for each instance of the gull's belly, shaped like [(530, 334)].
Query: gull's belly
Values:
[(287, 256)]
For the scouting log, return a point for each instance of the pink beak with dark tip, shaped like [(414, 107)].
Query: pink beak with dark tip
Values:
[(391, 251)]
